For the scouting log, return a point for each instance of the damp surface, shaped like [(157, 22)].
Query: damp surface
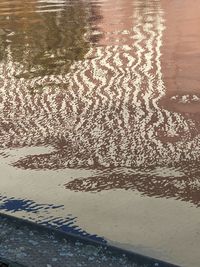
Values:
[(100, 121)]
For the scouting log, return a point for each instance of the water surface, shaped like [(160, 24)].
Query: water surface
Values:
[(100, 120)]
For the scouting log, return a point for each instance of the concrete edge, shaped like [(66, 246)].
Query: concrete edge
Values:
[(134, 256), (10, 263)]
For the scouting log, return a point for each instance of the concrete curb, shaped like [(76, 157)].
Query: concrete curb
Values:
[(10, 263), (136, 257)]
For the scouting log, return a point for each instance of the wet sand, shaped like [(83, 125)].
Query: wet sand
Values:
[(99, 127)]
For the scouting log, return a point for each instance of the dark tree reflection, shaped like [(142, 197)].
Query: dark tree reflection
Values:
[(46, 42), (148, 182)]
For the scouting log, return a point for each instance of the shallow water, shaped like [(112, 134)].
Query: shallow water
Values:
[(100, 120)]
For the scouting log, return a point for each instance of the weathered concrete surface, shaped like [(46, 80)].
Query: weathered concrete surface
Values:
[(25, 244)]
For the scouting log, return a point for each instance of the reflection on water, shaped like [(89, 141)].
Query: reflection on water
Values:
[(67, 224), (100, 112), (111, 87), (44, 43), (159, 182)]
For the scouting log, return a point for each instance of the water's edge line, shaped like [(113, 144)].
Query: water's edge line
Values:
[(136, 257)]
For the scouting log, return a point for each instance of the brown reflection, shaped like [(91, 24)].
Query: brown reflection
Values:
[(112, 107), (181, 184), (181, 58), (45, 38)]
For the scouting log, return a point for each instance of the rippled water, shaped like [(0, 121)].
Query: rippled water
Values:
[(100, 120)]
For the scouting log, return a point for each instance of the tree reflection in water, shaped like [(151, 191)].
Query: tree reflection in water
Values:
[(104, 111), (45, 43), (150, 182)]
